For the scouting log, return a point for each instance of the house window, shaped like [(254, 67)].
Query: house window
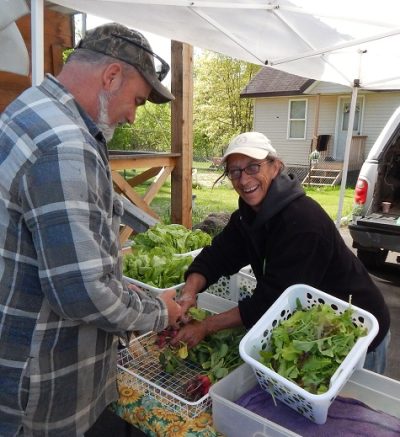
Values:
[(297, 119)]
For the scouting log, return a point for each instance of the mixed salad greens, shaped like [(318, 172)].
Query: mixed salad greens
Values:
[(308, 347)]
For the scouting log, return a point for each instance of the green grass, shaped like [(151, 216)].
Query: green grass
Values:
[(202, 165), (223, 198), (328, 198)]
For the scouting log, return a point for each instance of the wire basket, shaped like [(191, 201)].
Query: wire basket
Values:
[(313, 406), (141, 360)]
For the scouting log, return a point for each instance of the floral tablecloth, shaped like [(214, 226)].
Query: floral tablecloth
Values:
[(149, 415)]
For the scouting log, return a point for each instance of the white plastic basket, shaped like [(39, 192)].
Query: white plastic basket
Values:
[(235, 287), (140, 361), (247, 270), (233, 420), (152, 291), (192, 253), (314, 407), (155, 291)]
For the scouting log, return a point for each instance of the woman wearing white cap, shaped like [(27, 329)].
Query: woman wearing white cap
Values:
[(287, 238)]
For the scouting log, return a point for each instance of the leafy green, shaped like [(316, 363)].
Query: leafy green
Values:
[(156, 268), (170, 360), (173, 238), (217, 354), (198, 313), (308, 347)]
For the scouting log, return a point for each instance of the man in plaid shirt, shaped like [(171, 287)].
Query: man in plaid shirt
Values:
[(62, 300)]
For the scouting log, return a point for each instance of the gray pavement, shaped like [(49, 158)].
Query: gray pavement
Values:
[(387, 279)]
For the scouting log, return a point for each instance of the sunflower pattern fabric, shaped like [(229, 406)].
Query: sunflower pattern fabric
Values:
[(149, 415)]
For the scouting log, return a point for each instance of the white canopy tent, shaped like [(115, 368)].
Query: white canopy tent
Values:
[(350, 42), (14, 55)]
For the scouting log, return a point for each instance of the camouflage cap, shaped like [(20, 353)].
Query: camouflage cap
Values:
[(130, 46)]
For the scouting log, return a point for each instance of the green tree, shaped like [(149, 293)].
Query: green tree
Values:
[(151, 130), (219, 112)]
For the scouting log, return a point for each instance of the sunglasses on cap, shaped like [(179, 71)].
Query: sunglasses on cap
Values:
[(161, 67)]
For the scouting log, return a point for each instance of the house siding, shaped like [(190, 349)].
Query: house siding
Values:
[(271, 118), (378, 109)]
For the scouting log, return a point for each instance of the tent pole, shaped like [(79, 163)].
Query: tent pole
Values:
[(347, 151), (37, 50)]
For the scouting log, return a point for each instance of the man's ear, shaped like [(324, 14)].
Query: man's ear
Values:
[(112, 77)]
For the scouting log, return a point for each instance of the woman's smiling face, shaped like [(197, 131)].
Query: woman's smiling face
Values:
[(252, 188)]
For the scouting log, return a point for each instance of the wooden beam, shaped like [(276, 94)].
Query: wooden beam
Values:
[(123, 162), (182, 132), (143, 177), (57, 57), (124, 235), (157, 184), (123, 187)]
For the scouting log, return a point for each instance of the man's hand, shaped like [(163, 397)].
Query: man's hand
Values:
[(192, 333), (174, 309), (134, 287)]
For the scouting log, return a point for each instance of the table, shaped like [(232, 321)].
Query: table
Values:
[(158, 166)]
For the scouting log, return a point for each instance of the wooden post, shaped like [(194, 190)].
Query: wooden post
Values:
[(314, 141), (316, 122), (182, 132)]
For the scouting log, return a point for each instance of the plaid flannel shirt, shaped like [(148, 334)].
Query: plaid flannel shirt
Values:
[(62, 300)]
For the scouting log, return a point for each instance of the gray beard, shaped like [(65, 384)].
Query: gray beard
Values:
[(102, 120)]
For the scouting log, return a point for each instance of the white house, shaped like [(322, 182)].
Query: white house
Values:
[(300, 115)]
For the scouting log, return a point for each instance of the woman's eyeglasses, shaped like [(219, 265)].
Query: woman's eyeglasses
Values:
[(251, 169), (161, 67)]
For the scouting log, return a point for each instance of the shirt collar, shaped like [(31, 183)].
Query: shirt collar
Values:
[(52, 86)]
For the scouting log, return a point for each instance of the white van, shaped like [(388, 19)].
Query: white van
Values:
[(375, 225)]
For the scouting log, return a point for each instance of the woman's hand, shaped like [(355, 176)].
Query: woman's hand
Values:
[(187, 300), (188, 295), (192, 333)]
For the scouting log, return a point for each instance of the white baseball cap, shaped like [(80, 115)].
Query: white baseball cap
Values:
[(253, 144)]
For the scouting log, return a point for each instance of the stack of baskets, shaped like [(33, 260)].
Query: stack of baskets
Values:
[(313, 406)]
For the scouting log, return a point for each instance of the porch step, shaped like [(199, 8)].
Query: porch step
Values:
[(322, 177)]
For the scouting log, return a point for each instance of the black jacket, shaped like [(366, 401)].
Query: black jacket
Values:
[(291, 240)]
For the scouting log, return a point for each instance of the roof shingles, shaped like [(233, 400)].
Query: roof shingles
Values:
[(269, 82)]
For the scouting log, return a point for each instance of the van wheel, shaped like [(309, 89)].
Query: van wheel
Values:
[(372, 259)]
